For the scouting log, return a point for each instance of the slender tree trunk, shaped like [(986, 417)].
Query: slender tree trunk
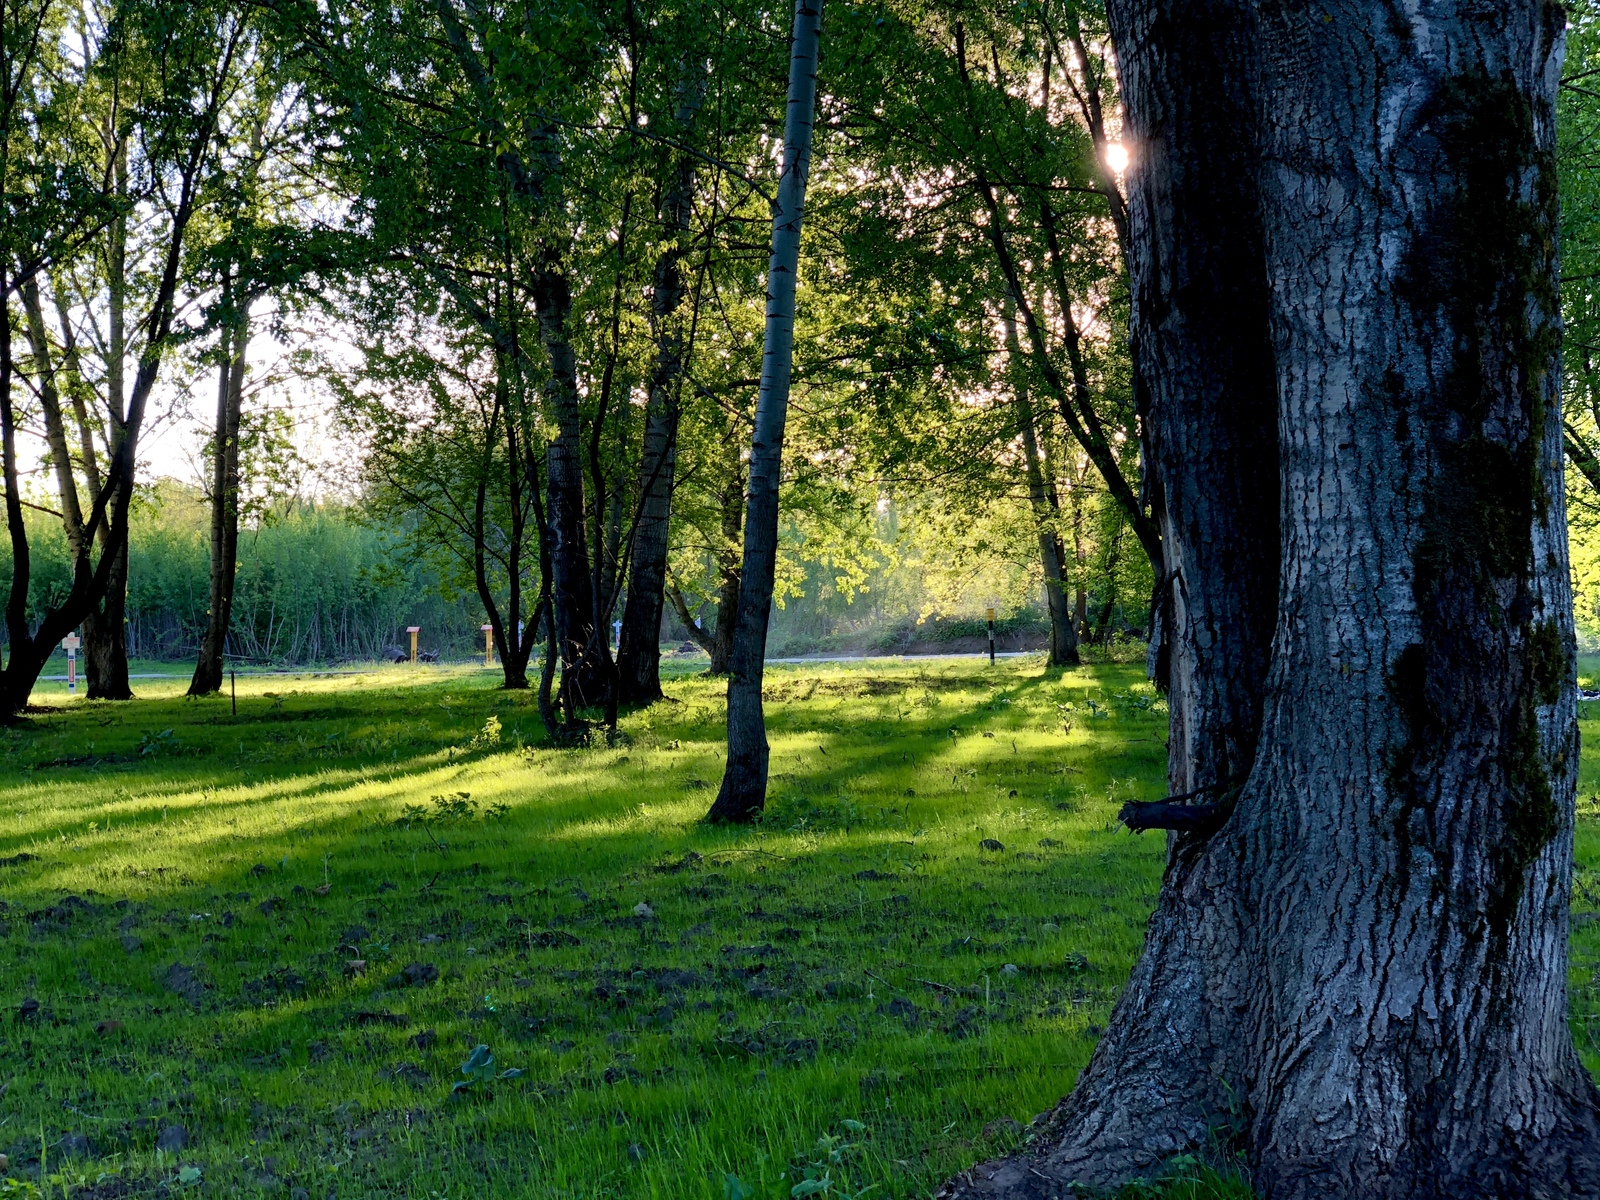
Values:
[(722, 637), (208, 671), (1042, 501), (54, 424), (744, 782), (1366, 960), (513, 655), (722, 634), (105, 632), (553, 726), (14, 678), (639, 646), (512, 638), (718, 640)]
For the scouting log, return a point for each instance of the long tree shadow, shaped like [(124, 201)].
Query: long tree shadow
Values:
[(775, 979)]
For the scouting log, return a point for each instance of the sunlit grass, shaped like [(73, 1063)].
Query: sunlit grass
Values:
[(847, 961)]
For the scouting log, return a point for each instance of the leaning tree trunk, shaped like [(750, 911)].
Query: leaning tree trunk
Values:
[(744, 781), (224, 515), (639, 644), (1366, 960), (1045, 507)]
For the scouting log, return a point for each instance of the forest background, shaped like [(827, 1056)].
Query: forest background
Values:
[(314, 276)]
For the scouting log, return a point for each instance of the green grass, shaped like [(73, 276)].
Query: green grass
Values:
[(830, 986)]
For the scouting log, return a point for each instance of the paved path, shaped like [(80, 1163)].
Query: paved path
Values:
[(902, 657), (257, 672)]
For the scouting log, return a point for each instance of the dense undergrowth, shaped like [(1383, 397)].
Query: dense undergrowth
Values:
[(256, 954)]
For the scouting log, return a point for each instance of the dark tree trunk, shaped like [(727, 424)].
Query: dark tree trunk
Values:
[(505, 632), (1046, 507), (208, 670), (718, 640), (583, 674), (639, 645), (105, 635), (721, 648), (744, 781), (1367, 962)]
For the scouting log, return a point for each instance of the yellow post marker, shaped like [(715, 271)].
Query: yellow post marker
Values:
[(413, 630), (488, 645)]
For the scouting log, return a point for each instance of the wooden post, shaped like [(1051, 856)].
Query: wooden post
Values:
[(488, 645), (991, 637), (413, 630), (70, 644)]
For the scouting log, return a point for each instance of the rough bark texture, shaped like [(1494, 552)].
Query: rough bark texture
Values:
[(208, 669), (744, 781), (105, 636), (1362, 976), (572, 588)]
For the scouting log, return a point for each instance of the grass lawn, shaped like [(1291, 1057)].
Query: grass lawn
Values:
[(263, 947)]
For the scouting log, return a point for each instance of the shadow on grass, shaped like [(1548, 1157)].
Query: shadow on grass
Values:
[(858, 958)]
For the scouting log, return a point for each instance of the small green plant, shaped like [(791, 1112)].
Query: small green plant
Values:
[(829, 1157), (152, 743), (480, 1069)]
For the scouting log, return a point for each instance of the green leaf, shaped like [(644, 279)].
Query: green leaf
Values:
[(187, 1175), (479, 1064), (733, 1188), (811, 1187)]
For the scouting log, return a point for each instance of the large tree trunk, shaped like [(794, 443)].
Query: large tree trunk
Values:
[(744, 781), (1366, 962), (208, 669), (105, 635)]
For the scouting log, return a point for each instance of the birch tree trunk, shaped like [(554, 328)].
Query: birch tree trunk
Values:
[(744, 782), (1358, 969), (208, 669)]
